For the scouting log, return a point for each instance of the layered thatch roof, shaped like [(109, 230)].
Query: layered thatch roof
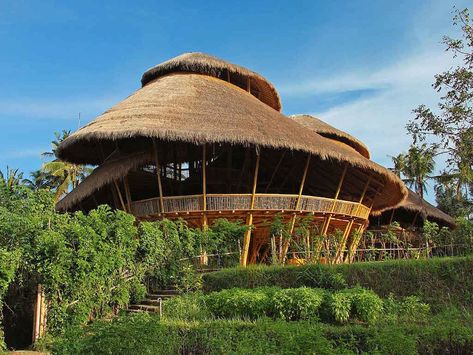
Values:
[(196, 108), (416, 204), (106, 173), (326, 130), (201, 63)]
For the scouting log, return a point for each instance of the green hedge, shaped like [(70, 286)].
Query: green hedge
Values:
[(144, 334), (438, 281)]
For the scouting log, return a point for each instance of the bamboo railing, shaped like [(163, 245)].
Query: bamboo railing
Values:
[(235, 202)]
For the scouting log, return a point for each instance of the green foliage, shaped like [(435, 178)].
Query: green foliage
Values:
[(450, 125), (144, 334), (297, 303), (339, 305), (239, 303), (366, 304), (437, 281), (190, 306)]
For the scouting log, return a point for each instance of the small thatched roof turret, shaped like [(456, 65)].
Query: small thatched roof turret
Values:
[(200, 63), (328, 131)]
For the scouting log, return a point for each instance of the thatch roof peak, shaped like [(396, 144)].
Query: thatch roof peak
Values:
[(328, 131), (201, 63)]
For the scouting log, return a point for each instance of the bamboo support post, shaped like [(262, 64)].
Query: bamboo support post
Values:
[(39, 319), (158, 174), (122, 202), (293, 218), (337, 193), (127, 193), (346, 234), (249, 220)]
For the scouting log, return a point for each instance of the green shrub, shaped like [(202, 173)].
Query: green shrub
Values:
[(190, 306), (407, 309), (339, 305), (366, 304), (144, 334), (297, 303), (437, 281), (240, 303)]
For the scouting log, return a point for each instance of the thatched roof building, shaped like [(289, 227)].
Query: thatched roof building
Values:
[(412, 212), (204, 138)]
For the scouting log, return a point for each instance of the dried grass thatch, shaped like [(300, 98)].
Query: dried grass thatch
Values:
[(415, 203), (106, 173), (195, 108), (201, 63), (329, 131)]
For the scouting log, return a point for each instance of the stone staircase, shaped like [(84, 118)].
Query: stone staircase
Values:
[(152, 302)]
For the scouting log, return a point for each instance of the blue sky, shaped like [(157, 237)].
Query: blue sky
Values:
[(360, 65)]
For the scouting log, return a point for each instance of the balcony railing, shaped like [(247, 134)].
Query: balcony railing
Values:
[(235, 202)]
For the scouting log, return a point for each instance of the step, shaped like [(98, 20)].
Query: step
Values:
[(155, 296), (151, 302), (166, 292), (144, 307)]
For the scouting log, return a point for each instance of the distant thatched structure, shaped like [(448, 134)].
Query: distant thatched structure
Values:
[(413, 211)]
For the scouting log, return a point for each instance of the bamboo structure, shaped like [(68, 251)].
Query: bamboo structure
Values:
[(39, 317), (184, 147)]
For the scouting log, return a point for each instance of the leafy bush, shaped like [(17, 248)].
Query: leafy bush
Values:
[(437, 281), (339, 304), (297, 303), (189, 306), (144, 334), (407, 309), (366, 304), (240, 303)]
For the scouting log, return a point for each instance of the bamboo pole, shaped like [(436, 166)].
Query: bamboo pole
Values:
[(158, 174), (122, 202), (205, 224), (346, 234), (249, 220), (293, 218), (127, 193), (337, 193)]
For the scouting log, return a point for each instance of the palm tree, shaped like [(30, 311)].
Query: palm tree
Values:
[(64, 175), (11, 179), (416, 166), (40, 179)]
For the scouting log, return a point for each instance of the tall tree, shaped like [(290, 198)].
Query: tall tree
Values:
[(10, 179), (450, 126), (416, 166), (63, 174)]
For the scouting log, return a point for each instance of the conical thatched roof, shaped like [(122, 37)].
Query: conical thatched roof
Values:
[(199, 109), (329, 131), (201, 63), (416, 204)]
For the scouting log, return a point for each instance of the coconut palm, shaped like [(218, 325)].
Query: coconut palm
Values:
[(12, 178), (65, 175), (416, 166)]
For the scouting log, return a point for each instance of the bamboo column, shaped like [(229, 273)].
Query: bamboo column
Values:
[(122, 202), (158, 175), (346, 234), (39, 319), (293, 218), (339, 187), (127, 194), (205, 225), (249, 220)]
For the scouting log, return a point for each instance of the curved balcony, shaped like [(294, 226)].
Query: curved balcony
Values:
[(242, 202)]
